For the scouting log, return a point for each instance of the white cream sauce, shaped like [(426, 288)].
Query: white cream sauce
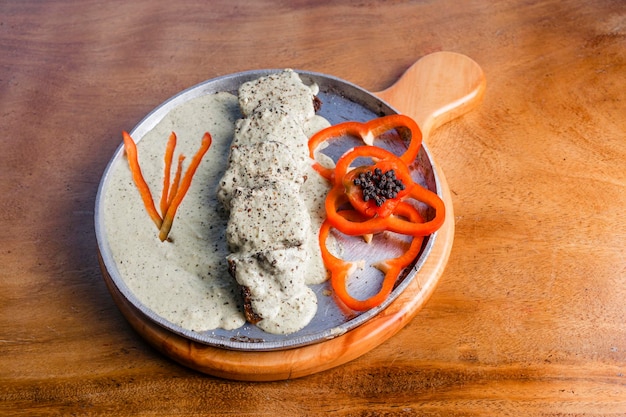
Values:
[(186, 281), (269, 229)]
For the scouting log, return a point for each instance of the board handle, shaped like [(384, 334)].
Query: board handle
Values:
[(436, 89)]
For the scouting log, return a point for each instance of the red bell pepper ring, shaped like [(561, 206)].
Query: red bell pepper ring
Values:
[(368, 132), (351, 210), (379, 218), (368, 205), (341, 270)]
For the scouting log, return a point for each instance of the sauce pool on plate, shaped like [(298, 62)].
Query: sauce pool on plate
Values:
[(185, 280)]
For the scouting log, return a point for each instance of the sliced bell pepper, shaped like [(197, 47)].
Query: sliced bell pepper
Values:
[(379, 218), (341, 270), (172, 194), (372, 198), (370, 188), (367, 132)]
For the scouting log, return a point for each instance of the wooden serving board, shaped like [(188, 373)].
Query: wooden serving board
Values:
[(436, 89)]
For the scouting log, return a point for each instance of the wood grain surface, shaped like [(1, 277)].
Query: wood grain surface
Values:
[(528, 317), (454, 84)]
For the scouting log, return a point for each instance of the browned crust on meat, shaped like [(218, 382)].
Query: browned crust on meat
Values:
[(251, 315), (317, 103)]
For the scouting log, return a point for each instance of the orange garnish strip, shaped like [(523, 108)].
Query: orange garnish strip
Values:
[(176, 182), (174, 191), (133, 162), (169, 155), (185, 183)]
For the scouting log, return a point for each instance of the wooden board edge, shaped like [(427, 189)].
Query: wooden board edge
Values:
[(306, 360)]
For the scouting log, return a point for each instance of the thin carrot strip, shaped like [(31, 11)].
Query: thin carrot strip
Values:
[(184, 187), (176, 182), (131, 154), (169, 155)]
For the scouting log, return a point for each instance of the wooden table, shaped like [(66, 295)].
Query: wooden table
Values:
[(529, 317)]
